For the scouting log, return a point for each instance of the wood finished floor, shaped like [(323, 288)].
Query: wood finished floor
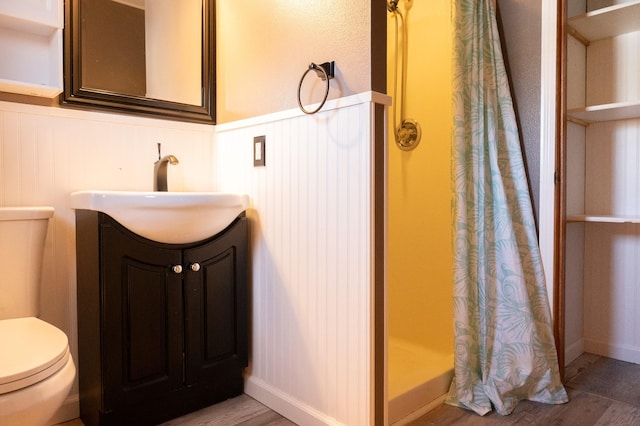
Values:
[(602, 392), (239, 411)]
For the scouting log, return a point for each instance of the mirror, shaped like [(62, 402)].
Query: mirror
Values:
[(146, 57)]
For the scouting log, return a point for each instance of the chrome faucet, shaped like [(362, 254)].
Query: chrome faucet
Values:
[(160, 171)]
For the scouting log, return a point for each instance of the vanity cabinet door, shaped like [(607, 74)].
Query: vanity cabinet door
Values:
[(216, 311), (142, 318), (156, 343)]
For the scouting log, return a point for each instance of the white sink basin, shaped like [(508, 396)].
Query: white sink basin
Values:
[(166, 217)]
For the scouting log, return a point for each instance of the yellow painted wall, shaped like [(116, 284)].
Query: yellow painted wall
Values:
[(264, 47), (419, 226)]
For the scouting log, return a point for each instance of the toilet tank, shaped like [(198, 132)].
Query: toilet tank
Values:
[(23, 231)]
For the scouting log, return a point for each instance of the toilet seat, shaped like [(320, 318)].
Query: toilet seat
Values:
[(30, 351)]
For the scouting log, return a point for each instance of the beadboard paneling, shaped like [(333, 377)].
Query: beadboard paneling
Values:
[(602, 267), (611, 297), (612, 183), (613, 176), (311, 219), (46, 153), (311, 231), (612, 70)]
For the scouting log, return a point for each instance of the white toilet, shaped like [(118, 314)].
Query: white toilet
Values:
[(36, 367)]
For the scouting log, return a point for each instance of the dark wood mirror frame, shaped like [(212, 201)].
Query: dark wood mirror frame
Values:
[(75, 95)]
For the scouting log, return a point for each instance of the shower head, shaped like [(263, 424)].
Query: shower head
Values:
[(392, 6)]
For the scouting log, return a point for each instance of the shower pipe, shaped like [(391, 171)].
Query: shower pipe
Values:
[(408, 134), (325, 71)]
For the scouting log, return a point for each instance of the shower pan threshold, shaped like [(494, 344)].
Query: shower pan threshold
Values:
[(419, 378)]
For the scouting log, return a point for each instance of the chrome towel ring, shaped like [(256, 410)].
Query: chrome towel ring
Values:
[(325, 71)]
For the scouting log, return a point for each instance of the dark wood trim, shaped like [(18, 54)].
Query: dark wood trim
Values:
[(378, 47), (379, 293), (560, 189)]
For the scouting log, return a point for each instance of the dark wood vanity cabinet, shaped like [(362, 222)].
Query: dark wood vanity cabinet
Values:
[(162, 328)]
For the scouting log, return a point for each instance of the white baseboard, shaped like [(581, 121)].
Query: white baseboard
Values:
[(286, 405), (70, 410), (573, 351), (620, 352)]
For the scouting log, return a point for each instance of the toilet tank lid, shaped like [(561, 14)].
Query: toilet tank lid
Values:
[(29, 347), (26, 213)]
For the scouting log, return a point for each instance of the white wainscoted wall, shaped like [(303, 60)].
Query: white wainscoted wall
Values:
[(312, 348), (46, 153), (312, 231)]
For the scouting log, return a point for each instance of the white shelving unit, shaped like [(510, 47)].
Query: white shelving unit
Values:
[(606, 112), (603, 180), (603, 218), (607, 22), (31, 47)]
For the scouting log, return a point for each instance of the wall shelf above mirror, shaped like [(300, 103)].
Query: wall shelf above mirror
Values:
[(31, 47), (154, 58)]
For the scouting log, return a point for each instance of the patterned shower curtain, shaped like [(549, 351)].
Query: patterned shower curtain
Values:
[(504, 346)]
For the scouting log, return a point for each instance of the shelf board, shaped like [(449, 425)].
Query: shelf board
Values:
[(37, 16), (608, 22), (603, 218), (30, 89), (607, 112)]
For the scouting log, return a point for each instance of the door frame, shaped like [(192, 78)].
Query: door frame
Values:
[(552, 162)]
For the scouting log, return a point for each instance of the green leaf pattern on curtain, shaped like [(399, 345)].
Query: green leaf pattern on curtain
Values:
[(504, 345)]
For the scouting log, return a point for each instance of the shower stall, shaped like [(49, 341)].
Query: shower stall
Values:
[(419, 292)]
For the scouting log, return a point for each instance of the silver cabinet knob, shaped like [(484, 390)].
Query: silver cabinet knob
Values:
[(195, 267), (176, 268)]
